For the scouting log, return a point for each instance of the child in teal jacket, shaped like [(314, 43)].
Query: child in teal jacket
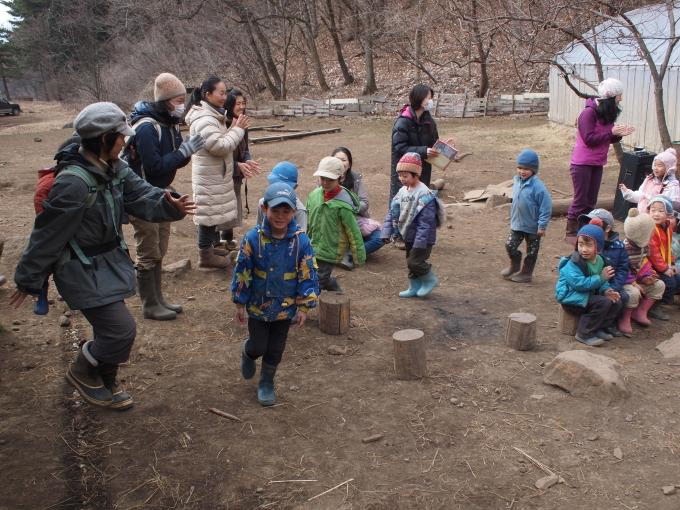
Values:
[(583, 286)]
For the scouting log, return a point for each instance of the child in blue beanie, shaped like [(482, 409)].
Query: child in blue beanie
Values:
[(583, 286), (529, 217)]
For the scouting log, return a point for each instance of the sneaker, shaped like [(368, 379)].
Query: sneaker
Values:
[(593, 341), (613, 331), (657, 312), (603, 335)]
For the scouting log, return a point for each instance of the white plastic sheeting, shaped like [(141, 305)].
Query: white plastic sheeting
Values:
[(620, 60)]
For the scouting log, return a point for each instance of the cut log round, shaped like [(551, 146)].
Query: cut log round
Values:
[(409, 354), (566, 322), (438, 184), (334, 313), (521, 331)]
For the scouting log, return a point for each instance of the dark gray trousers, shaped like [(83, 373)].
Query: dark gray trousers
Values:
[(599, 313), (267, 339), (324, 273), (416, 260), (114, 331)]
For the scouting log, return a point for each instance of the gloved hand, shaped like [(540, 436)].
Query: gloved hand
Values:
[(191, 145)]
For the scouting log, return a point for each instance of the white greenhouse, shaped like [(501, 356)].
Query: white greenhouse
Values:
[(620, 59)]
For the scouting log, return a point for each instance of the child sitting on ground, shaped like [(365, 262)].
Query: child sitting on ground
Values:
[(642, 281), (529, 217), (583, 286), (274, 281), (288, 173), (615, 252), (333, 227), (414, 216), (661, 254), (661, 181)]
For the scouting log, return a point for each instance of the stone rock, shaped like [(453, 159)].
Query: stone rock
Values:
[(618, 453), (582, 373), (668, 490), (191, 298), (453, 210), (178, 267), (16, 328), (336, 350), (354, 323), (454, 401), (64, 321), (496, 200), (629, 418), (537, 397), (593, 437), (670, 348), (68, 313), (546, 482)]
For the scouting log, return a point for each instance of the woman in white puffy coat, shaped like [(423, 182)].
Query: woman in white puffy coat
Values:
[(212, 166)]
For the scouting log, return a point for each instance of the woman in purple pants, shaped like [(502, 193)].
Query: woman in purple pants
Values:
[(596, 131)]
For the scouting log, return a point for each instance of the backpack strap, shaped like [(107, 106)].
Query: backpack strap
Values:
[(135, 127), (94, 187)]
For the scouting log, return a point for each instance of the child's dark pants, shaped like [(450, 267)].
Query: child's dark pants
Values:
[(515, 240), (114, 331), (416, 260), (324, 273), (597, 314), (672, 286), (267, 339)]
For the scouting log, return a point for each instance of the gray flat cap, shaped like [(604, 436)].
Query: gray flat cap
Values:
[(100, 118)]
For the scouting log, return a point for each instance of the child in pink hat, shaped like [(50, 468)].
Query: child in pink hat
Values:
[(661, 181)]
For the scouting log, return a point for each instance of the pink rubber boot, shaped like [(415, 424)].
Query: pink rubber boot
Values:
[(639, 315), (624, 322)]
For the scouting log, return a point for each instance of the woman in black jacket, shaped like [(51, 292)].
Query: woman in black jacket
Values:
[(414, 131)]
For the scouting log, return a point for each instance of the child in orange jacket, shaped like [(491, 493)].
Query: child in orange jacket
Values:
[(660, 252)]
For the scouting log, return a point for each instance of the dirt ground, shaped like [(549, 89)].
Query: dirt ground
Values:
[(170, 452)]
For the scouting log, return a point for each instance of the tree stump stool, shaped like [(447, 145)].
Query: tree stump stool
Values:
[(334, 313), (521, 331), (409, 354), (438, 184), (566, 322)]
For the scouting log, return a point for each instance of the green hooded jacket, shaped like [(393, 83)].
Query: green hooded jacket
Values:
[(332, 226)]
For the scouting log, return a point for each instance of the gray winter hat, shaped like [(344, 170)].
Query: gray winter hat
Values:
[(100, 118)]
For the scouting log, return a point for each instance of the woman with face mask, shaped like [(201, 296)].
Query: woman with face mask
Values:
[(155, 152), (414, 131)]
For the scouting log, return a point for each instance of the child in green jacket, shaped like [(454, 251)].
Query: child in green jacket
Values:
[(332, 226)]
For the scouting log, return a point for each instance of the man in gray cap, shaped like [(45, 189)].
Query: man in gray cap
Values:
[(78, 237)]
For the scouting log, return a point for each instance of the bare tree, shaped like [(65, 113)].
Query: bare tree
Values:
[(308, 28), (331, 25), (368, 18)]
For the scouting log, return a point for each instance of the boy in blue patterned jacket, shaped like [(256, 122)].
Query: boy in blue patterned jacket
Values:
[(274, 282)]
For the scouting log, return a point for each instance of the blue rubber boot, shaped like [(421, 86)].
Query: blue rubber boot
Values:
[(248, 367), (42, 306), (265, 388), (414, 285), (428, 282)]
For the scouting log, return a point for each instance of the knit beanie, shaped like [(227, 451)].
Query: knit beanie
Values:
[(528, 159), (611, 87), (410, 162), (595, 232), (638, 227), (669, 159), (667, 203), (167, 86)]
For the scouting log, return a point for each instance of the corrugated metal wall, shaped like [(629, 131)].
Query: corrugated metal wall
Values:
[(638, 105)]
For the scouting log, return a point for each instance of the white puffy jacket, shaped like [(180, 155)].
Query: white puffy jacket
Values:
[(212, 166)]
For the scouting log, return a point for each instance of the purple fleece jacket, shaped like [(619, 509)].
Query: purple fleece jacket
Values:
[(592, 138), (423, 229)]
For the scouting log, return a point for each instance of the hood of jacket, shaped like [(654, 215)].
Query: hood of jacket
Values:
[(613, 238), (203, 110), (407, 111), (71, 156), (145, 109), (348, 198)]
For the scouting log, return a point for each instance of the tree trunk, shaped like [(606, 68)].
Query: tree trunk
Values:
[(661, 113), (273, 89), (418, 43), (333, 29), (370, 87), (308, 33), (4, 82)]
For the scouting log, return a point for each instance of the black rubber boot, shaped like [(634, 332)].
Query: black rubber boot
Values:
[(515, 262), (157, 274), (347, 261), (526, 274), (151, 308), (121, 400), (332, 285), (265, 388), (84, 376), (248, 367)]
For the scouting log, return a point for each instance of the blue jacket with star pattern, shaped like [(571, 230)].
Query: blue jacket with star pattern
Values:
[(274, 278)]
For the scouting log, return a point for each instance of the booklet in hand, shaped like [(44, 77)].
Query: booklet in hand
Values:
[(447, 154)]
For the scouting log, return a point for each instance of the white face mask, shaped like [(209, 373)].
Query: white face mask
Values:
[(429, 105), (178, 111)]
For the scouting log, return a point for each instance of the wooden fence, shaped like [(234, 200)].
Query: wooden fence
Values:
[(445, 105)]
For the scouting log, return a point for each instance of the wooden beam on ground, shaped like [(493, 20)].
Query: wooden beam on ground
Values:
[(280, 138), (262, 128), (561, 206)]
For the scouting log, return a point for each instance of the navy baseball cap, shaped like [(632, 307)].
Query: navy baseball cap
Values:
[(279, 193)]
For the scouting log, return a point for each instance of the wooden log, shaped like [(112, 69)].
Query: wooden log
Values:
[(566, 322), (334, 313), (409, 354), (521, 331), (438, 184), (561, 206), (294, 135), (260, 128)]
